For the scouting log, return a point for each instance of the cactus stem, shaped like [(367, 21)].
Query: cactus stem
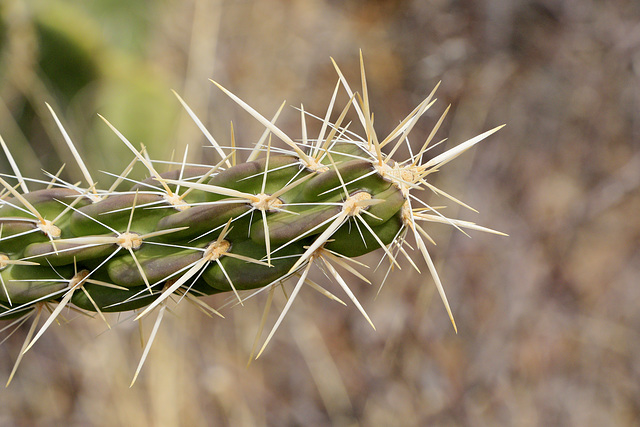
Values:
[(359, 178), (3, 265), (336, 222), (192, 271), (213, 252), (249, 212), (339, 183), (273, 170)]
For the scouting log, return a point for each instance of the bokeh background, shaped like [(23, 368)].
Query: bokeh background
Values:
[(549, 318)]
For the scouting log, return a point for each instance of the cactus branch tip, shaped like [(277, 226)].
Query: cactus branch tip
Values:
[(238, 227)]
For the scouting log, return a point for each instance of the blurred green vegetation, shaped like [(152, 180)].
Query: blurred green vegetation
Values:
[(83, 61)]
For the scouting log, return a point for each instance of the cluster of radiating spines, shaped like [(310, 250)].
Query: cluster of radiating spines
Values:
[(203, 229)]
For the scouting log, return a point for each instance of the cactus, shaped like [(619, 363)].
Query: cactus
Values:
[(205, 229)]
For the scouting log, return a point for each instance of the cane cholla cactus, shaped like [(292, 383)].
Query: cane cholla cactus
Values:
[(204, 229)]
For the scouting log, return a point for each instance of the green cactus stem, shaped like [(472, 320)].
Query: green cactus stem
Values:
[(201, 230)]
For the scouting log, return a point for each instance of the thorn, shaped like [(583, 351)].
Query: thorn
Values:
[(14, 166), (74, 151), (152, 337), (286, 308), (263, 321), (27, 339), (202, 128)]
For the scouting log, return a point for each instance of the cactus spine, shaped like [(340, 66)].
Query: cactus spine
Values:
[(199, 230)]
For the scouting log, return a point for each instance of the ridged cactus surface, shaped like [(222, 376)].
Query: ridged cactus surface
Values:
[(228, 227)]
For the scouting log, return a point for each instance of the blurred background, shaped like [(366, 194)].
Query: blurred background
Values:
[(548, 318)]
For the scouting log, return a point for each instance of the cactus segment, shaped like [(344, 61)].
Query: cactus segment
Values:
[(299, 222), (65, 252), (242, 275), (353, 172), (15, 230), (110, 300), (201, 230), (114, 212), (46, 202), (23, 284), (157, 264), (201, 219), (353, 240)]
